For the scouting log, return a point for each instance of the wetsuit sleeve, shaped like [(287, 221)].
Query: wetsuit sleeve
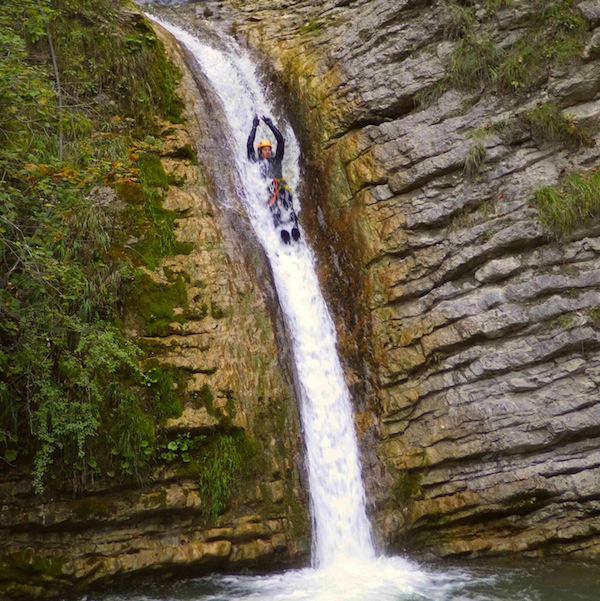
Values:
[(250, 144), (280, 141)]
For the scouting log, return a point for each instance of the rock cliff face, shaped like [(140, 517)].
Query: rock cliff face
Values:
[(474, 328), (237, 394), (470, 330)]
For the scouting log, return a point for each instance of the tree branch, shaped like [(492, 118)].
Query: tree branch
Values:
[(58, 88)]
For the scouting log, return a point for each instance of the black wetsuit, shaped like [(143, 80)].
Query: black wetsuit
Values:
[(280, 201), (270, 168)]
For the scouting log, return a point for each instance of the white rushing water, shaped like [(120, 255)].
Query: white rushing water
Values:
[(345, 566), (341, 527)]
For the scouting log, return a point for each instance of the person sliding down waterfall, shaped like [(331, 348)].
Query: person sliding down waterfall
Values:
[(280, 196)]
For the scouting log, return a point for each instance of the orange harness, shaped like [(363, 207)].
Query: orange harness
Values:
[(275, 193)]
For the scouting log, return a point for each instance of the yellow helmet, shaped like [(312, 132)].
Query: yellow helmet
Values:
[(264, 143)]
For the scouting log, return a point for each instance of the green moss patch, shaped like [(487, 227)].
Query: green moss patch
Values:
[(156, 303), (185, 152), (156, 226), (167, 386), (407, 488), (204, 397), (29, 567), (152, 172)]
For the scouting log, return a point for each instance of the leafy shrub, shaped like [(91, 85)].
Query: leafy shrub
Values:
[(180, 447), (78, 82)]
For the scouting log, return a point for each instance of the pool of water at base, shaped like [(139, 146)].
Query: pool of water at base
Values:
[(386, 579)]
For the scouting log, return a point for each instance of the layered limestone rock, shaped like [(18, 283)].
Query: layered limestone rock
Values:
[(236, 388), (476, 328)]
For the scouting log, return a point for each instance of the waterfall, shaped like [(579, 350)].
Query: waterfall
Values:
[(341, 527), (345, 565)]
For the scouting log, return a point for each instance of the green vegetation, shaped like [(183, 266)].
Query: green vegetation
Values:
[(475, 61), (180, 447), (475, 158), (549, 124), (556, 36), (459, 21), (156, 303), (428, 96), (82, 89), (29, 568), (165, 384), (221, 461), (594, 315), (186, 152), (312, 27), (570, 204), (492, 6), (406, 488), (225, 459), (112, 63)]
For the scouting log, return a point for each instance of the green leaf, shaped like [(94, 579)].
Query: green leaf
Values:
[(10, 455)]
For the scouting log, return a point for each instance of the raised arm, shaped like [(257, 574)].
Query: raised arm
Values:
[(250, 143), (278, 137)]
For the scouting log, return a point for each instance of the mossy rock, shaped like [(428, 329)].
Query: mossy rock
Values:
[(166, 387), (204, 397), (407, 488), (152, 171), (130, 192), (185, 152), (28, 567), (91, 508), (155, 304)]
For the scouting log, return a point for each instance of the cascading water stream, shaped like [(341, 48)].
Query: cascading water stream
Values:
[(341, 527), (347, 568)]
